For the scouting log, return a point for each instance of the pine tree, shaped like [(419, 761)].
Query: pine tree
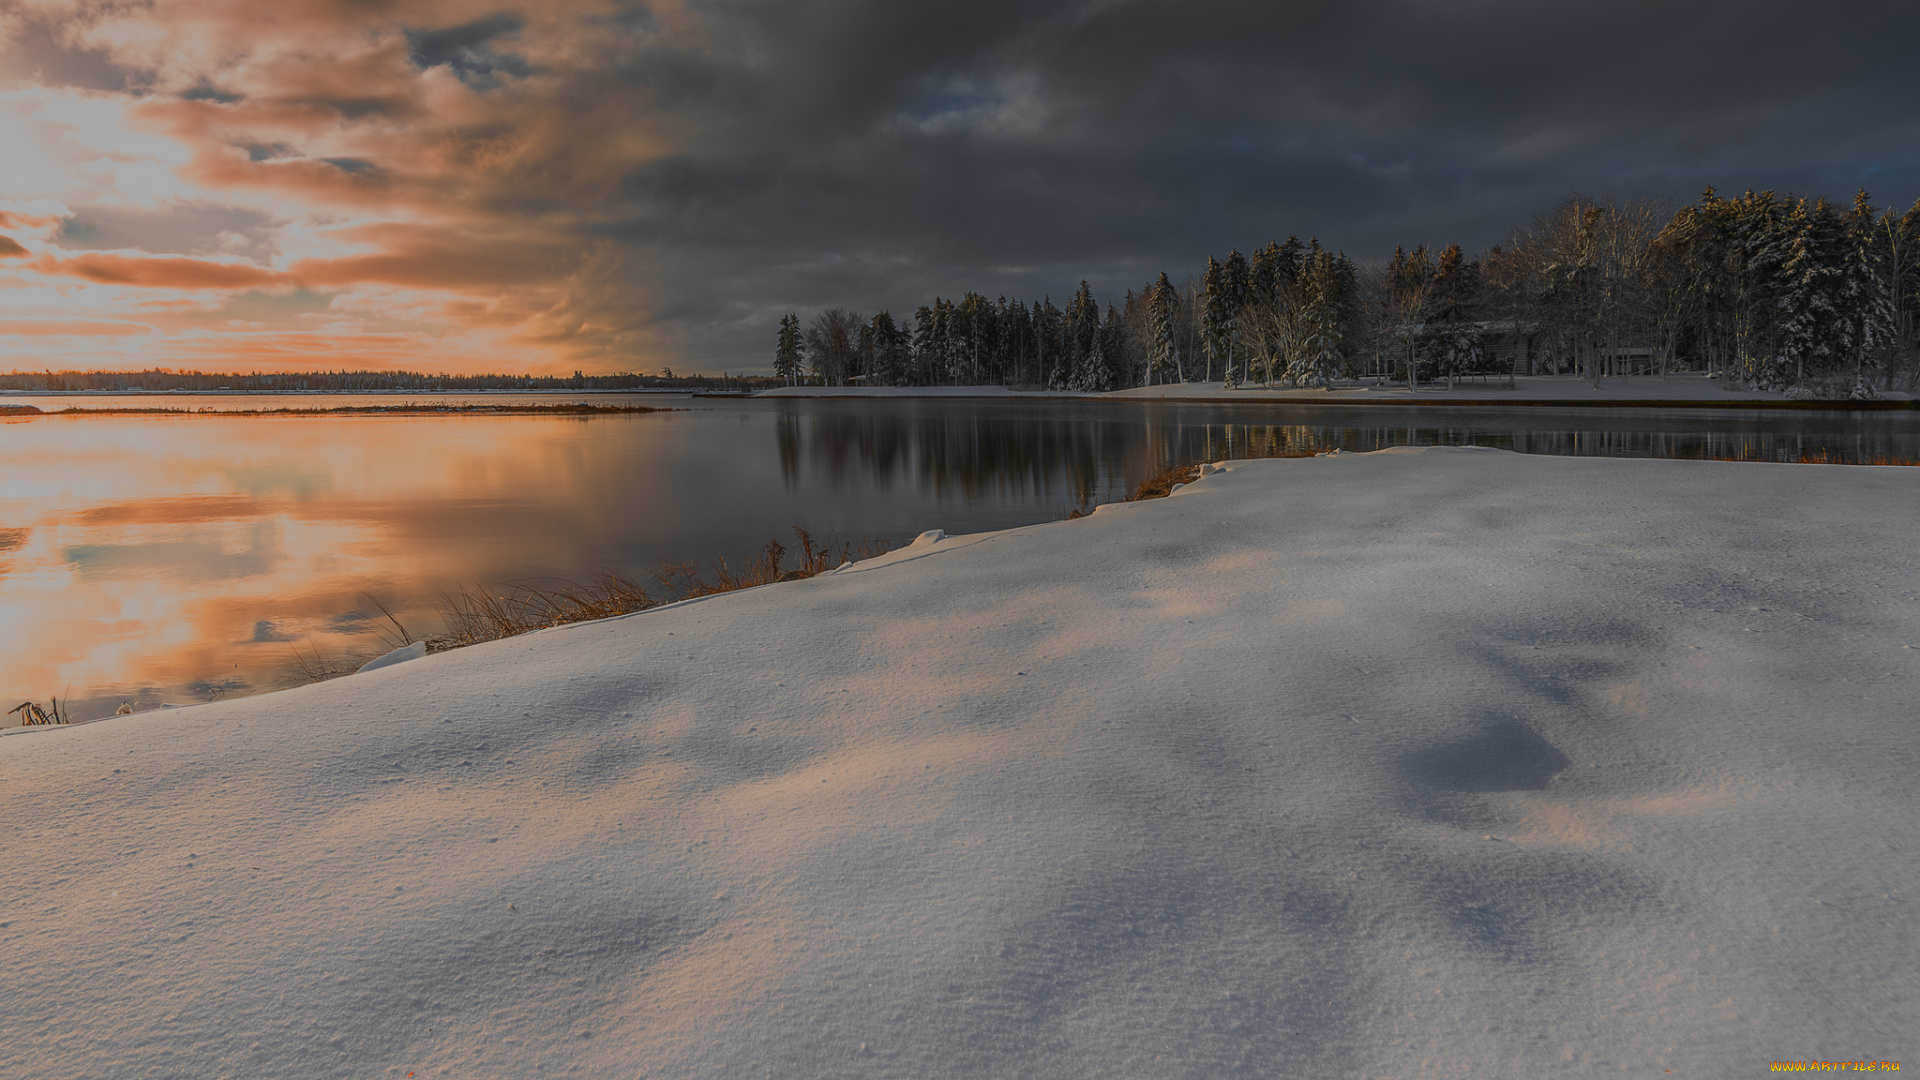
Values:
[(1086, 366), (1454, 340), (973, 335), (889, 352), (1019, 339), (1113, 346), (1165, 309), (786, 352), (1235, 273), (1757, 225), (1901, 247), (1814, 335), (1865, 298), (1260, 271), (925, 346), (1216, 317), (1047, 343)]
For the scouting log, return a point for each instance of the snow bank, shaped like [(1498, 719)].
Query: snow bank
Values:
[(1435, 763), (1683, 388), (893, 391), (1527, 389)]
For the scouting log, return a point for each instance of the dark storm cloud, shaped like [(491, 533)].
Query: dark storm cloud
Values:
[(469, 49), (868, 154)]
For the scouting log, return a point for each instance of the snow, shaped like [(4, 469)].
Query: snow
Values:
[(401, 655), (1568, 389), (897, 391), (1418, 763), (1679, 388)]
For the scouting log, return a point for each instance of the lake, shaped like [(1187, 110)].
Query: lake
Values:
[(176, 558)]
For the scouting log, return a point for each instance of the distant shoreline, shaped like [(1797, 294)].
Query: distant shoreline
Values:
[(351, 410), (376, 392)]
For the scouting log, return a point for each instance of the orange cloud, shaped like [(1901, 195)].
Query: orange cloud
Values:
[(165, 272), (72, 328), (447, 173), (441, 258)]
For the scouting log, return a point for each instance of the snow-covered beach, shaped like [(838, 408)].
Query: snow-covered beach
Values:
[(1418, 763), (1690, 389)]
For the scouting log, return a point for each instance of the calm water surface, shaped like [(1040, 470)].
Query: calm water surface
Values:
[(176, 558)]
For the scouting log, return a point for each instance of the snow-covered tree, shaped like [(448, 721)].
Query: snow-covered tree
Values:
[(1216, 316), (1165, 310), (1814, 335), (1312, 347), (1865, 301)]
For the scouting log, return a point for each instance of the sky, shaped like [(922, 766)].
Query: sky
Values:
[(600, 185)]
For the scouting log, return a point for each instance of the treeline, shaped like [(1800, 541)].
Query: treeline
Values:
[(1770, 292), (364, 381)]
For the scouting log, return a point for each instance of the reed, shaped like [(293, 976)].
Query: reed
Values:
[(481, 613), (32, 715), (1160, 484)]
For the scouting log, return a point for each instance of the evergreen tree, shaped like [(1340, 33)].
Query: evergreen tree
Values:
[(1758, 228), (973, 336), (925, 347), (890, 351), (786, 352), (1085, 365), (1864, 297), (1113, 346), (1048, 350), (1453, 338), (1260, 272), (1216, 317), (1814, 337), (1019, 344), (1901, 245), (1323, 307), (1236, 273), (1165, 309)]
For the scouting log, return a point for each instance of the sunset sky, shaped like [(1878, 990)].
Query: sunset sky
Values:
[(472, 185)]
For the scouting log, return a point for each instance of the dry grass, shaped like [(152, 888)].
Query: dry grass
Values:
[(1828, 457), (32, 715), (488, 614), (314, 667), (1160, 484)]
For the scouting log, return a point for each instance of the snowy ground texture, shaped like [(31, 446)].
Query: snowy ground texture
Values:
[(1446, 763)]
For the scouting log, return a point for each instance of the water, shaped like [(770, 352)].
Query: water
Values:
[(177, 558)]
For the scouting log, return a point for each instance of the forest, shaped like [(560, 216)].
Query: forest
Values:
[(1789, 293)]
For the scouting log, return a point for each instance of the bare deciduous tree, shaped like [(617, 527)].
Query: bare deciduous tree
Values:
[(833, 344)]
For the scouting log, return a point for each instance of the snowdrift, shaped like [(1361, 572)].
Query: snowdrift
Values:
[(1434, 763)]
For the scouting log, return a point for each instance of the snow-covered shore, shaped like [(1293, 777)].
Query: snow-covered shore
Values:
[(1417, 763), (1686, 389)]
